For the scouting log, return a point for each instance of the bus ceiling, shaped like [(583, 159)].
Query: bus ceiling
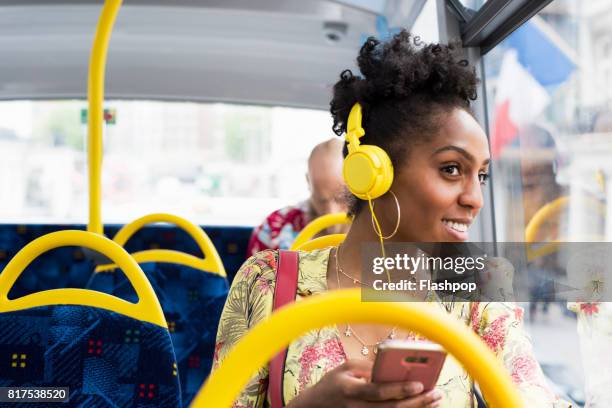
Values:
[(266, 52)]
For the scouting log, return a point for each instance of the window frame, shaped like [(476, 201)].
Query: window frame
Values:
[(494, 21), (480, 31)]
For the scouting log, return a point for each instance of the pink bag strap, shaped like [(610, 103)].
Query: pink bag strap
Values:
[(284, 293)]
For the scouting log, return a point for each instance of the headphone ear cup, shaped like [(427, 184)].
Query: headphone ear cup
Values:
[(368, 172)]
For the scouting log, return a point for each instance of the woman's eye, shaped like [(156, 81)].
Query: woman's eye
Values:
[(483, 178), (452, 170)]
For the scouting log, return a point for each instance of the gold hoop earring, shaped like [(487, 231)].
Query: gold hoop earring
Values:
[(379, 233)]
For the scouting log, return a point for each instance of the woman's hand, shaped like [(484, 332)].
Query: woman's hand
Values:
[(349, 386)]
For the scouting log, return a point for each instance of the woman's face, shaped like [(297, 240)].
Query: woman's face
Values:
[(439, 186)]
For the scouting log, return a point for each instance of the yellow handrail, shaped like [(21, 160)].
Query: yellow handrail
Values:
[(536, 222), (317, 225), (325, 241), (274, 334), (211, 262), (147, 309), (547, 211), (95, 114)]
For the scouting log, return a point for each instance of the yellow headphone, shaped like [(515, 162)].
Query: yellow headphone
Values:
[(367, 169)]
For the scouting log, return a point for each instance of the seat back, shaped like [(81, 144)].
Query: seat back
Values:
[(103, 357), (108, 352), (211, 261), (317, 225), (325, 241), (61, 268), (191, 291), (192, 302)]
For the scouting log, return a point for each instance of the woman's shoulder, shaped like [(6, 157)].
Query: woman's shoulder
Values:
[(320, 255), (260, 264), (312, 267), (268, 259)]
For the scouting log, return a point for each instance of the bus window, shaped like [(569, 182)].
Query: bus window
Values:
[(229, 164), (212, 108), (549, 97)]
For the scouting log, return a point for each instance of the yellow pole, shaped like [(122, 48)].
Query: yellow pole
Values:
[(95, 96)]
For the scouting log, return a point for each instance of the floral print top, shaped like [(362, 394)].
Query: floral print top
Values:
[(279, 229), (319, 351)]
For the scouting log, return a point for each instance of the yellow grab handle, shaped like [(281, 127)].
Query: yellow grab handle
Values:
[(536, 222), (147, 309), (170, 256), (550, 210), (325, 241), (317, 225), (211, 262), (542, 215), (95, 115), (272, 335)]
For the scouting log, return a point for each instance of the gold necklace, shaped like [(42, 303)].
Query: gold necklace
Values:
[(348, 332), (338, 268), (365, 348)]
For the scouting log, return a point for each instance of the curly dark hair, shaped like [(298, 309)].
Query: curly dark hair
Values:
[(405, 90)]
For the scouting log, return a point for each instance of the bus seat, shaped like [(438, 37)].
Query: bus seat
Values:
[(230, 241), (210, 260), (317, 225), (192, 302), (61, 268), (108, 352), (100, 355), (322, 242), (10, 239), (192, 299)]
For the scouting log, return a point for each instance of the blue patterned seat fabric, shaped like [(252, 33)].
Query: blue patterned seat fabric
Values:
[(230, 242), (106, 359), (192, 301)]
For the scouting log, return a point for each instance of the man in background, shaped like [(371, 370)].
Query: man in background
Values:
[(326, 185)]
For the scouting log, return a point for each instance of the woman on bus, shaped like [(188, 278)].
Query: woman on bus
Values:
[(415, 101)]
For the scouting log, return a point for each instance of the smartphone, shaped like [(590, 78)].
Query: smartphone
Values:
[(408, 360)]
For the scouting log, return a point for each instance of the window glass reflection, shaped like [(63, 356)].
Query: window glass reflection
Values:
[(211, 163), (549, 95)]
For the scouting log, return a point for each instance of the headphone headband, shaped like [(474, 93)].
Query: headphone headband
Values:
[(367, 169), (354, 131)]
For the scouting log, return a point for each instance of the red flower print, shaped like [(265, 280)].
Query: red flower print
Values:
[(264, 285), (218, 347), (495, 334), (247, 271), (475, 317), (327, 355), (266, 260), (263, 384), (523, 369), (269, 257), (589, 308), (518, 313), (334, 352)]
